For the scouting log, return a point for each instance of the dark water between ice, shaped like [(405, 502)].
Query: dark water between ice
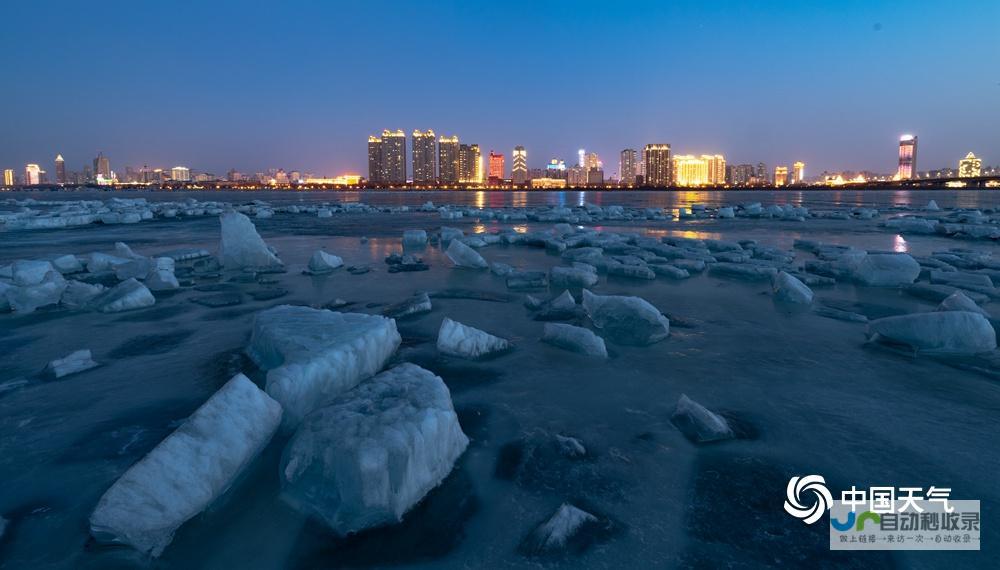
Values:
[(971, 199)]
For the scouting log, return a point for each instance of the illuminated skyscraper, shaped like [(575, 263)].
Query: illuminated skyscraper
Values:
[(469, 164), (448, 160), (741, 174), (497, 168), (627, 167), (423, 157), (780, 175), (102, 167), (555, 169), (715, 168), (970, 166), (690, 170), (394, 156), (591, 161), (582, 157), (907, 157), (658, 165), (376, 172), (32, 174), (8, 177), (798, 172), (519, 166), (60, 169), (763, 174), (180, 174)]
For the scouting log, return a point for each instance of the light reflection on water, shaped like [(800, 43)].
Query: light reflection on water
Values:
[(899, 244), (689, 234)]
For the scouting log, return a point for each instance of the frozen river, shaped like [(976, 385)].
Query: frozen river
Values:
[(806, 394)]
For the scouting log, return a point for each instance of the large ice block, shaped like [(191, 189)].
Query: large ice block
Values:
[(367, 457), (188, 470), (464, 341), (311, 355), (626, 320), (241, 245), (947, 332)]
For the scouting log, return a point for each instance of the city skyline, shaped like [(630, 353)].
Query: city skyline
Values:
[(306, 103)]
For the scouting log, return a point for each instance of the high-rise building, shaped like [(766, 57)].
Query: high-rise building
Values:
[(591, 161), (448, 160), (8, 177), (576, 177), (555, 169), (60, 169), (180, 174), (470, 166), (690, 170), (780, 175), (102, 167), (376, 172), (798, 172), (763, 174), (907, 157), (394, 156), (627, 167), (32, 174), (581, 157), (595, 177), (742, 174), (658, 165), (423, 157), (519, 166), (970, 166), (497, 168), (716, 168)]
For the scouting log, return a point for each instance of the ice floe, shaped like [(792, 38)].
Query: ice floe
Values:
[(463, 341), (626, 320)]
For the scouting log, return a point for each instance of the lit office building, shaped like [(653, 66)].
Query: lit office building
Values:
[(497, 168), (519, 166), (716, 168), (592, 161), (799, 172), (423, 157), (780, 175), (741, 174), (448, 160), (690, 170), (907, 157), (60, 169), (576, 176), (102, 167), (375, 171), (548, 183), (581, 157), (180, 174), (555, 169), (658, 165), (627, 167), (32, 174), (394, 156), (8, 177), (763, 174), (470, 165), (970, 166)]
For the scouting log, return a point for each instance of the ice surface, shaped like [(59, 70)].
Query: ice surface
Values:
[(887, 270), (464, 256), (626, 320), (698, 423), (456, 339), (241, 245), (949, 332), (322, 262), (559, 529), (125, 296), (788, 289), (75, 362), (312, 356), (366, 458), (188, 470), (959, 301), (577, 339)]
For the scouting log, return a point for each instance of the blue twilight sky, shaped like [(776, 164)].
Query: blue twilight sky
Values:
[(299, 85)]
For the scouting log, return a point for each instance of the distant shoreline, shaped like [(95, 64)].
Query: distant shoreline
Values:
[(789, 189)]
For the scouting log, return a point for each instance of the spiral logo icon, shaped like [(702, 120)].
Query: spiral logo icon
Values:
[(799, 486)]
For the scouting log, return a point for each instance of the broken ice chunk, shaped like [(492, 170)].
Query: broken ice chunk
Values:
[(75, 362), (560, 529), (887, 270), (574, 277), (125, 296), (456, 339), (464, 256), (312, 356), (78, 294), (188, 470), (28, 272), (161, 277), (414, 238), (576, 339), (368, 456), (788, 289), (29, 297), (959, 301), (241, 245), (415, 305), (626, 320), (322, 263), (698, 423), (950, 332)]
